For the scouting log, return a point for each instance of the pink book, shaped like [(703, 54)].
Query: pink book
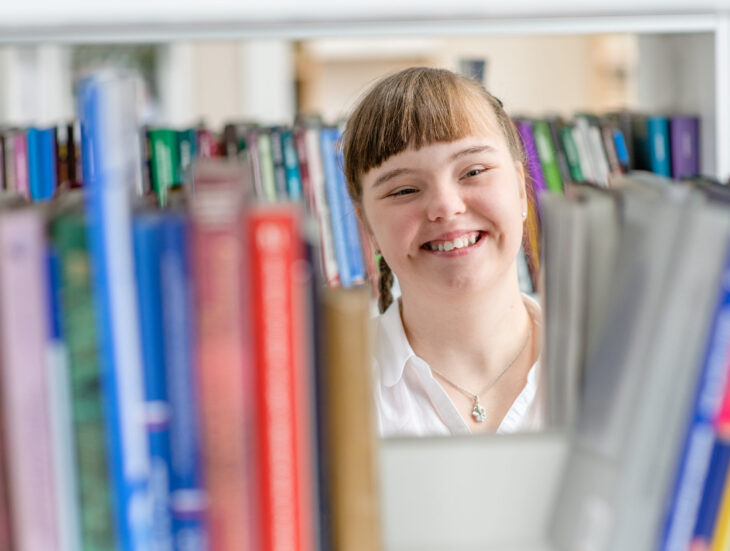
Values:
[(23, 345), (20, 151)]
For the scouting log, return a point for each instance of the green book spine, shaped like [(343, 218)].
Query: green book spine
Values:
[(165, 163), (571, 154), (267, 166), (545, 151), (69, 234)]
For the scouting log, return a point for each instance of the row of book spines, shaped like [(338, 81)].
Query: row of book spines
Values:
[(694, 516), (227, 496), (591, 148), (34, 162)]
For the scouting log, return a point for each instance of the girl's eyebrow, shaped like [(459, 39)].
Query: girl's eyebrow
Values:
[(392, 174), (486, 148)]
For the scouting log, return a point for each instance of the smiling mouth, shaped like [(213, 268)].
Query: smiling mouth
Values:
[(463, 242)]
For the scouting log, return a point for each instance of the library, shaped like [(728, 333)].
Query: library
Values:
[(187, 288)]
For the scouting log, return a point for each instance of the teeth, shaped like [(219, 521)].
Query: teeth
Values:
[(458, 243)]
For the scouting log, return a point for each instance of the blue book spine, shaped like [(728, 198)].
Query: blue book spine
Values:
[(33, 147), (712, 493), (328, 139), (291, 166), (48, 174), (106, 116), (621, 150), (188, 497), (147, 231), (660, 161), (685, 494), (352, 228)]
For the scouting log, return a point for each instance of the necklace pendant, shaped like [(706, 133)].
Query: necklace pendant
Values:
[(478, 412)]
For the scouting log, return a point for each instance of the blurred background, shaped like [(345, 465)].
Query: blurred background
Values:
[(270, 80)]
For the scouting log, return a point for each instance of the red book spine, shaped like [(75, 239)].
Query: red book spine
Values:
[(221, 365), (276, 298)]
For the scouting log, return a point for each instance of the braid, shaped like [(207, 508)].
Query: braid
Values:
[(385, 282)]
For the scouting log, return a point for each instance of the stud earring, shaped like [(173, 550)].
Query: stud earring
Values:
[(524, 215)]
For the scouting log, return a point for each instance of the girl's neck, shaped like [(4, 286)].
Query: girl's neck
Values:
[(470, 337)]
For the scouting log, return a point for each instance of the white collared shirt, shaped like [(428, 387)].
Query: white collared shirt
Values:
[(411, 402)]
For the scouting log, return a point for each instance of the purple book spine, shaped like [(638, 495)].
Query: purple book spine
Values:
[(533, 161), (684, 140)]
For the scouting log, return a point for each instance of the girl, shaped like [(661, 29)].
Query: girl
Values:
[(436, 171)]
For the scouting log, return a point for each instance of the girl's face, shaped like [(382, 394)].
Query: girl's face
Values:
[(448, 217)]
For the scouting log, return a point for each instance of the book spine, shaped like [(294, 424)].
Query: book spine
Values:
[(707, 513), (571, 153), (33, 152), (534, 169), (252, 142), (267, 166), (9, 162), (188, 497), (186, 152), (300, 144), (684, 498), (546, 154), (684, 140), (352, 225), (23, 322), (207, 145), (106, 105), (622, 152), (48, 178), (658, 146), (291, 164), (20, 163), (277, 156), (349, 402), (274, 249), (3, 178), (321, 207), (58, 377), (221, 364), (328, 139), (721, 535), (147, 230), (164, 163), (80, 332)]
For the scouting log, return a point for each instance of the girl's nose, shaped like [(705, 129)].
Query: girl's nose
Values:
[(445, 202)]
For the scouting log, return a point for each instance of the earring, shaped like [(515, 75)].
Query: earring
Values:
[(524, 215)]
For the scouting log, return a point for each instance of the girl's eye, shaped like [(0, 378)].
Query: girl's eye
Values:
[(473, 172), (401, 192)]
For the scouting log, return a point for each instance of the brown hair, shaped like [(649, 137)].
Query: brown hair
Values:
[(413, 108)]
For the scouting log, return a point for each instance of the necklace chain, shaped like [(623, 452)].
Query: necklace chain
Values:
[(478, 411)]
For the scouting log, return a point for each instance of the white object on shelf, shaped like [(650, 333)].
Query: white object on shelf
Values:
[(469, 493)]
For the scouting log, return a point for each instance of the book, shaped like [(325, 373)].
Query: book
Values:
[(657, 128), (328, 139), (188, 496), (277, 158), (534, 169), (27, 425), (571, 153), (684, 137), (273, 251), (68, 233), (352, 455), (108, 124), (546, 154), (291, 166), (321, 206), (58, 391), (267, 166), (20, 163), (164, 161), (147, 237), (223, 369), (623, 459), (555, 124)]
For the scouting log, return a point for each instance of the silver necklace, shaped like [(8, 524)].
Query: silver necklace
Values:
[(478, 412)]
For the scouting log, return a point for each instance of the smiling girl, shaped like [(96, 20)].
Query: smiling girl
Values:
[(435, 169)]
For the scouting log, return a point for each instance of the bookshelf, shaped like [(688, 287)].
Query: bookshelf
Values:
[(433, 491)]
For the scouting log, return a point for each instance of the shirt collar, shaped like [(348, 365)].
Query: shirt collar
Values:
[(392, 345)]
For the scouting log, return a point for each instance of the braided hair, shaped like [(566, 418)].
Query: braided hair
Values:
[(385, 283)]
